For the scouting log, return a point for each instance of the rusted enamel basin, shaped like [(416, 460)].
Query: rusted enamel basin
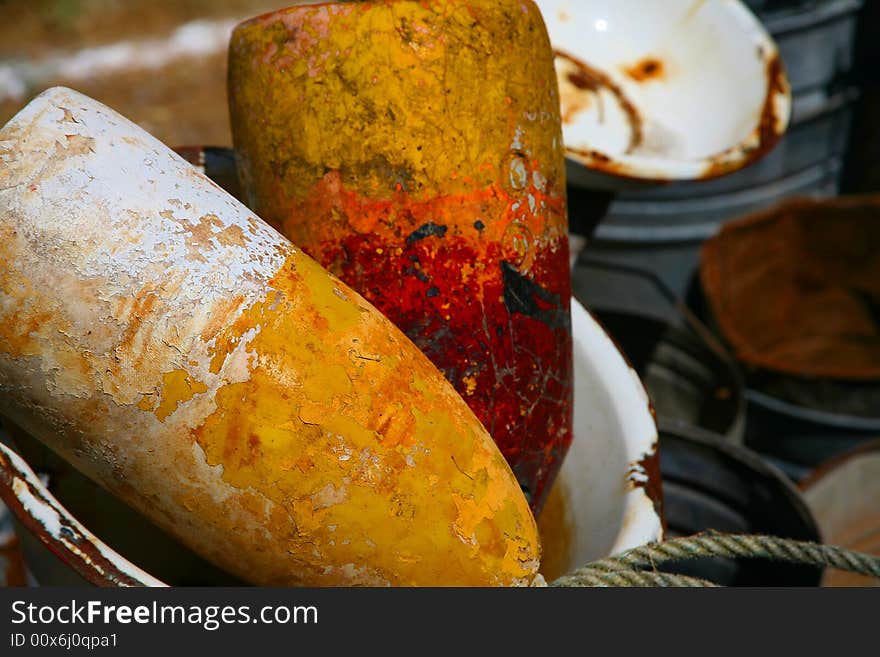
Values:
[(660, 91), (605, 500)]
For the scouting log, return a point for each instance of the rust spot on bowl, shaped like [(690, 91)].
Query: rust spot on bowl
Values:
[(646, 69), (777, 84), (579, 84), (649, 467), (582, 82)]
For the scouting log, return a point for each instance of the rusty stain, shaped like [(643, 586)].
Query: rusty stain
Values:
[(232, 236), (134, 346), (647, 69), (649, 466), (588, 79), (777, 84), (203, 232), (763, 138)]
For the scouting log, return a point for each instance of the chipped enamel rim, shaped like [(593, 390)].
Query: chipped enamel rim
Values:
[(730, 109), (605, 386), (610, 478), (44, 516)]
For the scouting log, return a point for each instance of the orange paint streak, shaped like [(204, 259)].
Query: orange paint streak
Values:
[(346, 211)]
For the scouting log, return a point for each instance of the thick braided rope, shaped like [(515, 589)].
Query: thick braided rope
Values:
[(725, 546), (589, 577)]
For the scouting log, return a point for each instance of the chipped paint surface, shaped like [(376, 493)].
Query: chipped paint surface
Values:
[(193, 361), (414, 149)]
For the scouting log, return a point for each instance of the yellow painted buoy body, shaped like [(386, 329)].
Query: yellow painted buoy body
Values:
[(177, 349)]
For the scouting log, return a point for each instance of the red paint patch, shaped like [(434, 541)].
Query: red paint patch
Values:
[(513, 368)]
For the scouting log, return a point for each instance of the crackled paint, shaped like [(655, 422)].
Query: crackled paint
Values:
[(185, 355), (415, 150)]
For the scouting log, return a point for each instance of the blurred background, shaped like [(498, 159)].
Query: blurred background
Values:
[(742, 448), (161, 63)]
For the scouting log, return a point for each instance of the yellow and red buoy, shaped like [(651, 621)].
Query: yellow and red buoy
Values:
[(415, 149)]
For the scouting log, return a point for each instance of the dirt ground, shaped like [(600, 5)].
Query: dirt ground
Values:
[(183, 103)]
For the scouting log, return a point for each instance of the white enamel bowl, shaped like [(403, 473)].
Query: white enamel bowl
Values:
[(659, 91)]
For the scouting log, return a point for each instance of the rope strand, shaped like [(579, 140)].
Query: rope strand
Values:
[(586, 577), (618, 571)]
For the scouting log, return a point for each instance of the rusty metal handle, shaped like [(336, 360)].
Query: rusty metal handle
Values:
[(47, 519)]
